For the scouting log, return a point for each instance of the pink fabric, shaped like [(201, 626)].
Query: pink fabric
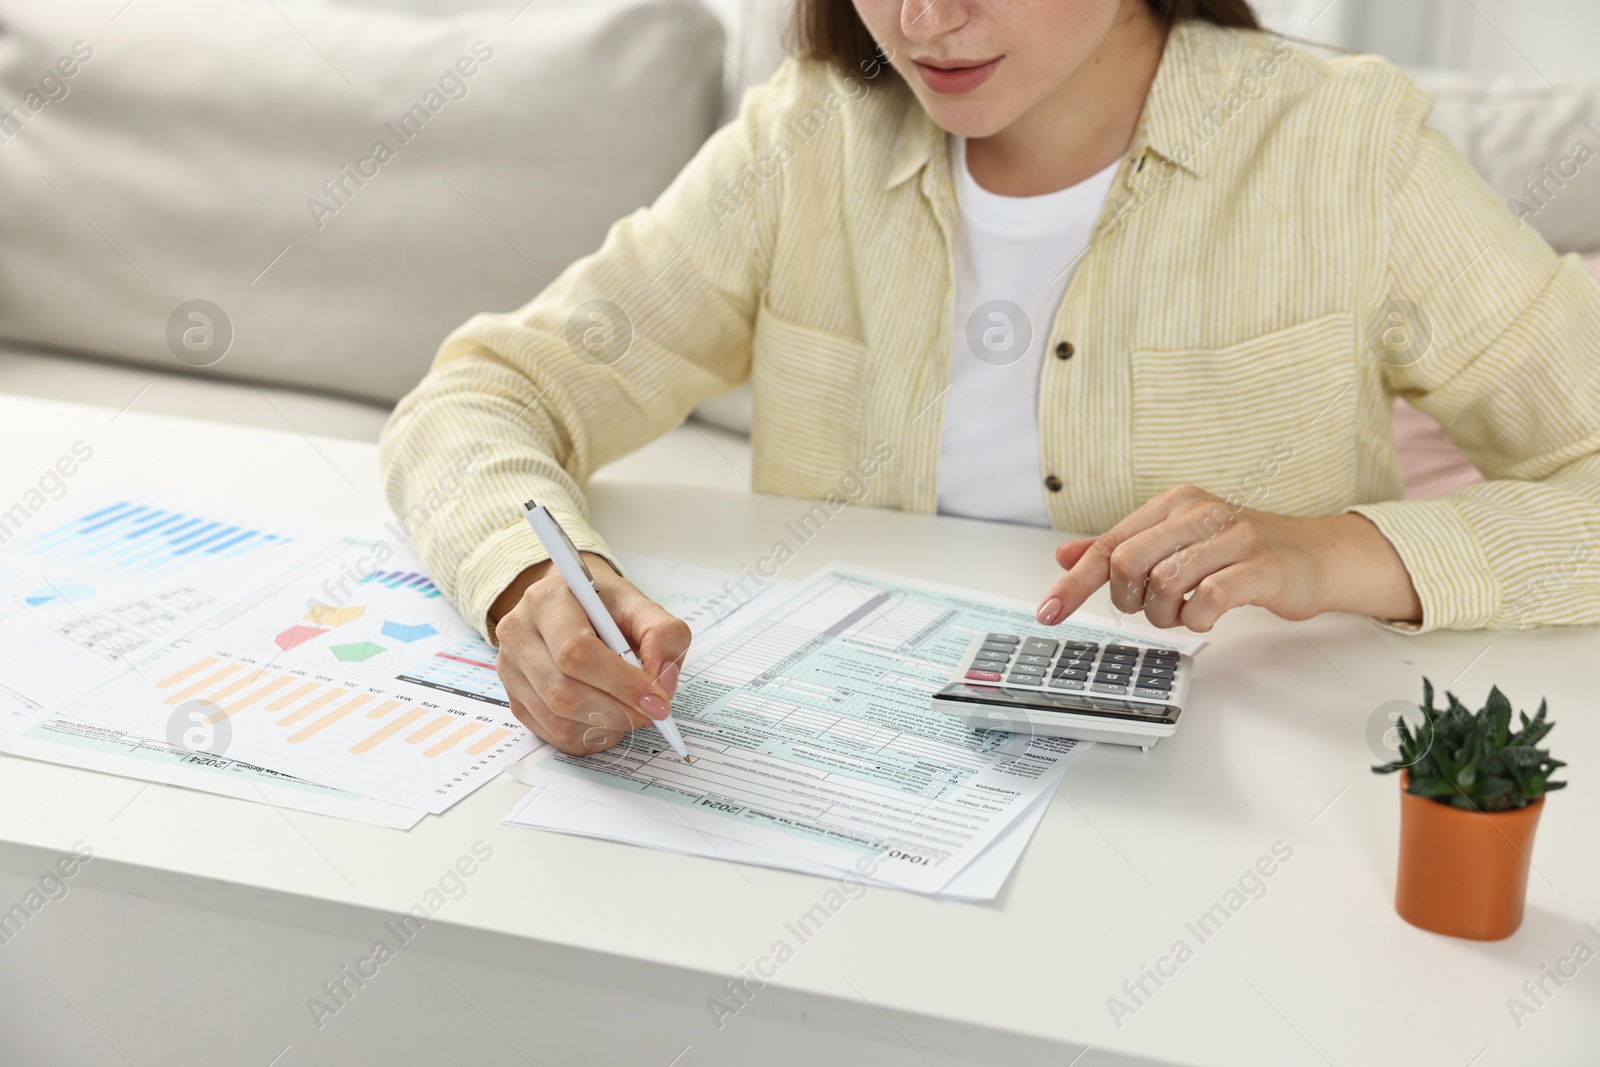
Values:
[(1431, 463)]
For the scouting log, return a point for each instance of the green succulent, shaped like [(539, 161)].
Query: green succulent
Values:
[(1474, 760)]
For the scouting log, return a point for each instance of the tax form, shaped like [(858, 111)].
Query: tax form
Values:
[(811, 736)]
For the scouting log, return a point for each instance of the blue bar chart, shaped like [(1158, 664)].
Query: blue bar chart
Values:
[(136, 541), (403, 580)]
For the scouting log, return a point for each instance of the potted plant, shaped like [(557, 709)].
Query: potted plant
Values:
[(1471, 793)]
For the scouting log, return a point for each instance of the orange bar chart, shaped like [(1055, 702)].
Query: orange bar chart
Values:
[(329, 719), (379, 736), (461, 734), (429, 730), (194, 668), (484, 744)]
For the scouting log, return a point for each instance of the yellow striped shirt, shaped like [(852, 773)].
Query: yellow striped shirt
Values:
[(1286, 248)]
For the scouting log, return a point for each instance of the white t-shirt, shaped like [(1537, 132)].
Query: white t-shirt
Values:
[(1015, 256)]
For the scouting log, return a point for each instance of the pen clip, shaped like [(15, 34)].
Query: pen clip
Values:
[(572, 548)]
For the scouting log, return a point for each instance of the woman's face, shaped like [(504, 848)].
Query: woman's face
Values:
[(979, 65)]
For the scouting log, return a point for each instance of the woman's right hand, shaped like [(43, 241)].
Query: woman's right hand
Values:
[(564, 683)]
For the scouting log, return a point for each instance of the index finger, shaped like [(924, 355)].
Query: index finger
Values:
[(1093, 566)]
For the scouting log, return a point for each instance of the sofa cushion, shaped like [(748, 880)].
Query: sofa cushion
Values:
[(1536, 143), (122, 386), (230, 153), (692, 454)]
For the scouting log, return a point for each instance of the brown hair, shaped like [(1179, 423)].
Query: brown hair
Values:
[(831, 31)]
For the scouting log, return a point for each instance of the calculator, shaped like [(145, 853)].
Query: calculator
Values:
[(1125, 693)]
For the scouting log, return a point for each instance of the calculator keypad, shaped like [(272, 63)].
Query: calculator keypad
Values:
[(1084, 666)]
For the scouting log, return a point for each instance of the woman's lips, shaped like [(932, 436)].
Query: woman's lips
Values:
[(953, 81)]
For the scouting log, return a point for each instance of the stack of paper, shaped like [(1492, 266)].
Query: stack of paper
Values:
[(125, 576), (207, 644), (210, 645), (814, 748)]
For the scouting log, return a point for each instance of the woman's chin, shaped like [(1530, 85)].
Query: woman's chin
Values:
[(971, 119)]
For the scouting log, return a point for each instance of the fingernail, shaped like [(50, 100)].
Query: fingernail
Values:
[(1050, 611), (669, 678), (654, 706)]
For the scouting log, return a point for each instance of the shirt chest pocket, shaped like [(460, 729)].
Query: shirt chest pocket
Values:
[(1268, 423), (806, 406)]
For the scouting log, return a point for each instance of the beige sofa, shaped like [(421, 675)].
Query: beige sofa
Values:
[(191, 150)]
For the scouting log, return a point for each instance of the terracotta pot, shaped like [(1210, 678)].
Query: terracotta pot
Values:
[(1463, 873)]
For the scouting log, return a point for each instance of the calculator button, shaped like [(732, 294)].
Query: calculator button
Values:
[(986, 654), (1160, 685), (1156, 672), (998, 649), (1066, 683), (1102, 687), (1075, 675), (1089, 646), (1122, 648), (1161, 654), (1154, 694), (982, 676), (1029, 680), (1119, 657), (1003, 639), (1034, 661), (1028, 669), (1040, 646)]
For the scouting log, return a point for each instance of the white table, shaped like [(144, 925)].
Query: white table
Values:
[(203, 925)]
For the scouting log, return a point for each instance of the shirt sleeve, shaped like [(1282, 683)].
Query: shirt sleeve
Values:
[(1502, 348), (614, 353)]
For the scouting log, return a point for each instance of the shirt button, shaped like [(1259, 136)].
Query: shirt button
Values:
[(1053, 484), (1064, 350)]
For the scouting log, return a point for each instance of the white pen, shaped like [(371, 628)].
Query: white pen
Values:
[(576, 574)]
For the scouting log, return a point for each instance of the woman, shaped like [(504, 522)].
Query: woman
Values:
[(1128, 266)]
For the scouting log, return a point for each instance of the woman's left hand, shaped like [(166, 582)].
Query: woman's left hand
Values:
[(1187, 556)]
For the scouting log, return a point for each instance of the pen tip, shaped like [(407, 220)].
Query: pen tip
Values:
[(686, 759)]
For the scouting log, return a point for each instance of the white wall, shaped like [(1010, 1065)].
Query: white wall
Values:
[(1544, 37), (1532, 38)]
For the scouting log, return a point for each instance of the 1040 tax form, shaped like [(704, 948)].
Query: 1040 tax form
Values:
[(811, 738)]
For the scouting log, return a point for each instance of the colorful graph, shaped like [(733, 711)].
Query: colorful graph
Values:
[(326, 615), (404, 580), (357, 652), (137, 541), (307, 708), (402, 632), (465, 668), (295, 636)]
